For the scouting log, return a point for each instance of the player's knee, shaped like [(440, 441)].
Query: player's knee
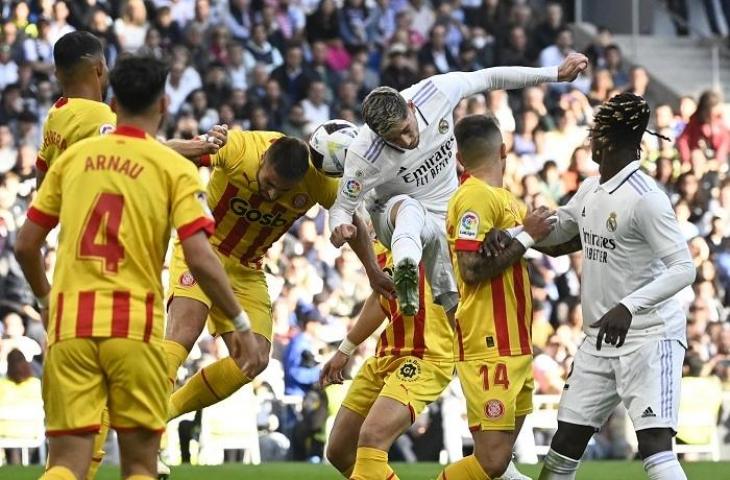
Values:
[(339, 456), (571, 440), (374, 433), (654, 440), (494, 457)]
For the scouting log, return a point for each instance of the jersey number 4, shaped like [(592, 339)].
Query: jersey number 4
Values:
[(500, 376), (107, 213)]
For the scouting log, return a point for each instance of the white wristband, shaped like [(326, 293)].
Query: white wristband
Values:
[(525, 239), (44, 301), (514, 231), (347, 347), (241, 322)]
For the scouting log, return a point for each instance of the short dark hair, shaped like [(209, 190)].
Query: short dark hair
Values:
[(477, 136), (289, 157), (620, 123), (74, 47), (383, 109), (138, 81)]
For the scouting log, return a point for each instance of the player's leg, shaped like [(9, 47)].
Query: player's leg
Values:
[(589, 397), (74, 395), (411, 385), (437, 265), (221, 379), (364, 390), (406, 219), (138, 394), (649, 384)]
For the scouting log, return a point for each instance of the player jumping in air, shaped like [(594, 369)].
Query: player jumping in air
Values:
[(81, 113), (117, 197), (405, 154), (262, 182), (635, 260), (494, 317)]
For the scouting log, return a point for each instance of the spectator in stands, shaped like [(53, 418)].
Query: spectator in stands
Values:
[(59, 23), (546, 33), (435, 53), (14, 339), (602, 87), (181, 82), (19, 388), (323, 24), (516, 52), (275, 104), (301, 368), (8, 67), (596, 51), (706, 130), (294, 76), (238, 19), (353, 24), (260, 50), (638, 81), (614, 63), (316, 109), (421, 16)]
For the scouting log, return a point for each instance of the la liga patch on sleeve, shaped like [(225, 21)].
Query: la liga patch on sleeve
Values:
[(469, 226)]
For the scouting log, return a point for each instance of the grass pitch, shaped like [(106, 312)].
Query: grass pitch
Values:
[(615, 470)]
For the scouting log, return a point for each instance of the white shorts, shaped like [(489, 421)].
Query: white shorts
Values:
[(646, 381), (436, 257)]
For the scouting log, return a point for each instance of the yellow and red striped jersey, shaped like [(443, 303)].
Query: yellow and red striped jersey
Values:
[(246, 223), (494, 318), (71, 120), (117, 197), (426, 335)]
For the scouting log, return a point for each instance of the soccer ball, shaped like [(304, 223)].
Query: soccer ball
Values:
[(328, 146)]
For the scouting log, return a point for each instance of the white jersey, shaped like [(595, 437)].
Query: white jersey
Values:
[(428, 172), (627, 226)]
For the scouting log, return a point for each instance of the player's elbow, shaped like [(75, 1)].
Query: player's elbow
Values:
[(25, 247), (689, 273)]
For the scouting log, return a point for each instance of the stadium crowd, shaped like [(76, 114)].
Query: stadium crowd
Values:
[(290, 65)]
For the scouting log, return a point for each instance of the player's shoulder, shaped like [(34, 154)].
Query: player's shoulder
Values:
[(253, 139), (640, 184), (367, 146)]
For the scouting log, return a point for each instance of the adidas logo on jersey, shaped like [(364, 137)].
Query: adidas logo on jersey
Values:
[(648, 413)]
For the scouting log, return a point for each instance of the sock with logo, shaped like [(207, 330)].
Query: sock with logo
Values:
[(406, 239), (370, 464), (558, 467), (467, 468), (99, 441), (58, 473), (210, 385), (664, 466)]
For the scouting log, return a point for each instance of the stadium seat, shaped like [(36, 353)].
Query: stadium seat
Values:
[(22, 426), (698, 417), (544, 416)]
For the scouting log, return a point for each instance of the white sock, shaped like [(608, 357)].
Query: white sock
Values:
[(664, 466), (512, 473), (558, 467), (406, 240)]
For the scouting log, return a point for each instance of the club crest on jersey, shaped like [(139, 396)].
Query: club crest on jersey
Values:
[(187, 279), (469, 225), (300, 199), (351, 188), (494, 409), (443, 126), (612, 223), (106, 128), (409, 371)]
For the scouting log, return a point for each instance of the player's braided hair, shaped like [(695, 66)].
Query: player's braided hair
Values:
[(620, 123)]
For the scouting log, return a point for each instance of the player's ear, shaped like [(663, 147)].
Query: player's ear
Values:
[(412, 106), (114, 104)]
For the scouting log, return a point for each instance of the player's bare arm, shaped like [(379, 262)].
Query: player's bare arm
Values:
[(370, 318), (476, 267), (28, 252), (497, 240), (362, 245), (206, 144), (207, 269)]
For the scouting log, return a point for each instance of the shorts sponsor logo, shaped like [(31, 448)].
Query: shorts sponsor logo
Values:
[(106, 128), (351, 188), (409, 371), (494, 409), (187, 279), (469, 225), (300, 200)]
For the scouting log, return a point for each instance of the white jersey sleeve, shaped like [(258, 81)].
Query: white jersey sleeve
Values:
[(458, 85), (359, 178), (655, 221), (566, 226)]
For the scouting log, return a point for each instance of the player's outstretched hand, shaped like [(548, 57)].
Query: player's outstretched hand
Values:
[(539, 223), (342, 234), (247, 347), (218, 135), (495, 242), (382, 284), (332, 371), (573, 65), (613, 326)]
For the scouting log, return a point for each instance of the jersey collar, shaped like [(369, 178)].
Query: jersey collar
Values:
[(130, 131), (620, 178)]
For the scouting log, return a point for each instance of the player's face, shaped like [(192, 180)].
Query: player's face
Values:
[(271, 185), (405, 135)]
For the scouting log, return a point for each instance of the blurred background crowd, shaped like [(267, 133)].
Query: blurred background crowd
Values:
[(289, 65)]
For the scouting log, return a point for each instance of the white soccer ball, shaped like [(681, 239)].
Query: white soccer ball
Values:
[(328, 145)]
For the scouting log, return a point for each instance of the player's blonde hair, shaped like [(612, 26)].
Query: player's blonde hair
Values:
[(383, 109)]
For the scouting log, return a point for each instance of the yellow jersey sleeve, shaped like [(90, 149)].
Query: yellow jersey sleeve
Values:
[(190, 213), (228, 157), (474, 212), (323, 188)]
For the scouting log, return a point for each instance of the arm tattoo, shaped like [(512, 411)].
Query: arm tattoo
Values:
[(476, 267), (573, 245)]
